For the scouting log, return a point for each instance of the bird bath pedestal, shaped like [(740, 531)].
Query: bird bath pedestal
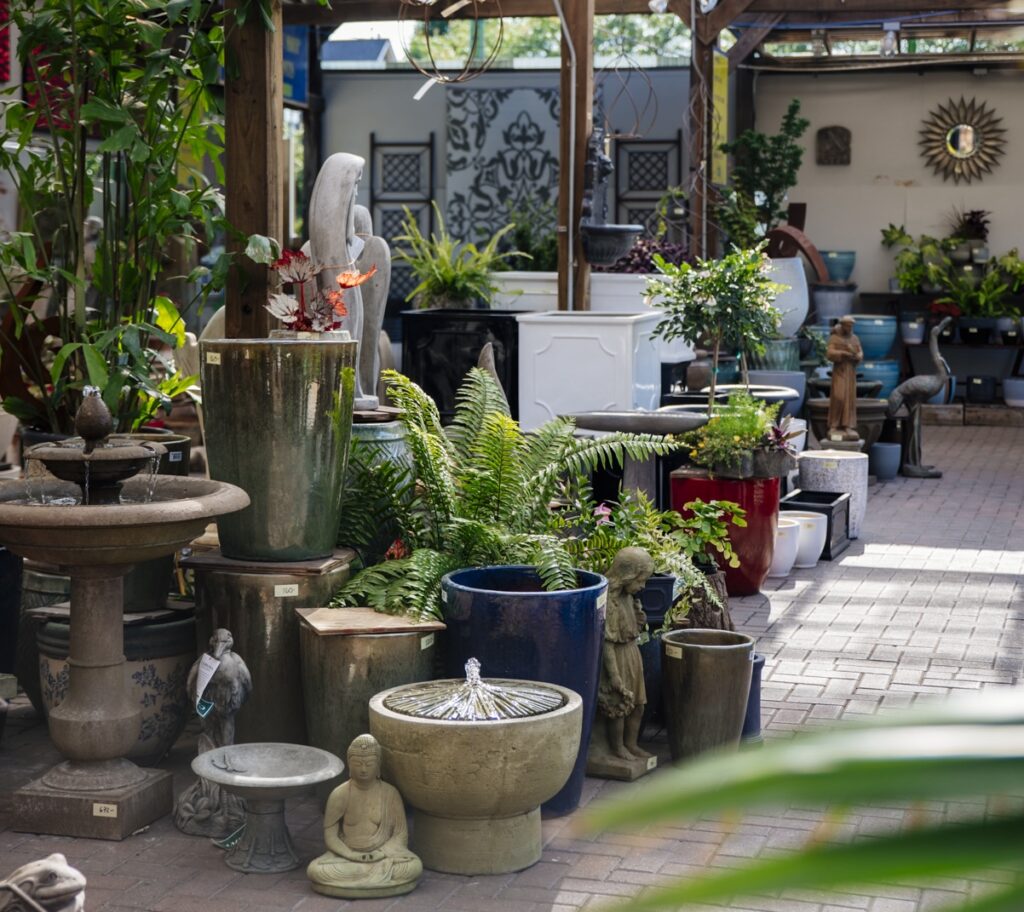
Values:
[(265, 775), (95, 792)]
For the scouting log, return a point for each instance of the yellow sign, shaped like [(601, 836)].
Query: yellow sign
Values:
[(720, 119)]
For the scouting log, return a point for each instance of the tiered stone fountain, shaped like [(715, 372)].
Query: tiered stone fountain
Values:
[(97, 523)]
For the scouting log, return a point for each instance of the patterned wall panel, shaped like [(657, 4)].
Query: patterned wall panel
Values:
[(644, 170)]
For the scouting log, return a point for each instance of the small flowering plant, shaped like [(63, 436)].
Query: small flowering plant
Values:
[(312, 309), (733, 432)]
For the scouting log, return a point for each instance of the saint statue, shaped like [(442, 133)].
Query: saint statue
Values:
[(845, 353), (621, 694), (365, 834)]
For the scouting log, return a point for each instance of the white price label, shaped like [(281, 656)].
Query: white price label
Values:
[(444, 596), (104, 810), (831, 464), (286, 590), (208, 666), (673, 652), (602, 600), (213, 357), (427, 641), (652, 763), (175, 456)]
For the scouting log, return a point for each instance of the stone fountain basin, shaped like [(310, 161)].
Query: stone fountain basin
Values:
[(871, 415), (125, 533), (267, 771), (662, 421), (484, 769)]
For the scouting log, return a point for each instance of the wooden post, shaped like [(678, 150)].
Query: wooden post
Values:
[(579, 16), (253, 124)]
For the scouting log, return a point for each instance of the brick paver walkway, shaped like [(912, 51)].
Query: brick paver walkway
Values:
[(927, 603)]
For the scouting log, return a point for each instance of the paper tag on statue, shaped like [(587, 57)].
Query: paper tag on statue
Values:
[(204, 707), (652, 763), (355, 247), (208, 666)]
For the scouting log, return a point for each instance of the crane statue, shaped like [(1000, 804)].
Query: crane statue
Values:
[(218, 684), (912, 394)]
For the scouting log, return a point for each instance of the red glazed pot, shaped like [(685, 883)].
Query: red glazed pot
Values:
[(753, 544)]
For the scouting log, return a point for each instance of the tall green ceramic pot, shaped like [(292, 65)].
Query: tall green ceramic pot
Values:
[(278, 418)]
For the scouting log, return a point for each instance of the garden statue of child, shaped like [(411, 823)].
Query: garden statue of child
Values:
[(614, 751), (365, 834), (845, 353)]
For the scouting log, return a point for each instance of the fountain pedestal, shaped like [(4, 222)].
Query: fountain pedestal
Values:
[(95, 792)]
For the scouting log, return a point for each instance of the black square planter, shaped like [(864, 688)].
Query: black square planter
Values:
[(835, 506), (439, 346)]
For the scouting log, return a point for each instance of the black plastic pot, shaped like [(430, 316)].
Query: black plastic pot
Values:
[(981, 389), (10, 609), (835, 506), (977, 330), (656, 599)]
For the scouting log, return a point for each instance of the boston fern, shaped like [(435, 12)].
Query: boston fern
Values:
[(477, 493)]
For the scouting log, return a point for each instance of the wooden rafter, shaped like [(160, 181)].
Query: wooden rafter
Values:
[(750, 39)]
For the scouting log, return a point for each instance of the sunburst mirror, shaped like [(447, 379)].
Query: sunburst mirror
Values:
[(962, 140)]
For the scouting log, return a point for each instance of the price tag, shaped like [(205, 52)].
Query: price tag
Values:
[(673, 652), (830, 464), (652, 763), (286, 590), (427, 641), (175, 456), (602, 600), (104, 810), (444, 596), (213, 357), (208, 666)]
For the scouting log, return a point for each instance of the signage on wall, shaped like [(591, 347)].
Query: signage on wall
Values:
[(295, 70), (720, 119)]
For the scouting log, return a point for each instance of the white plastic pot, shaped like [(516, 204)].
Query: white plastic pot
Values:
[(787, 540), (532, 291)]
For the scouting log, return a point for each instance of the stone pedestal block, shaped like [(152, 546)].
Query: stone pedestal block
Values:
[(839, 472)]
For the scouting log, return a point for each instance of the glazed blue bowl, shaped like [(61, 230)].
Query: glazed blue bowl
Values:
[(886, 371), (839, 264), (876, 333)]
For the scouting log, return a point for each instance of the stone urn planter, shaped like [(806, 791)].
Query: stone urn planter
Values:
[(278, 416), (504, 617), (706, 683), (476, 784), (871, 415)]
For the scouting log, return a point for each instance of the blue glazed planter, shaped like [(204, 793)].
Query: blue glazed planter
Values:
[(504, 617), (876, 334), (751, 733), (839, 264), (888, 372), (884, 460), (946, 394)]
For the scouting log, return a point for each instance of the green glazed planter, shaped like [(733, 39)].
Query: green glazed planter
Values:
[(278, 418)]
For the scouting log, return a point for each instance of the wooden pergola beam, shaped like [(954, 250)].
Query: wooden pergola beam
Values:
[(750, 39), (253, 125)]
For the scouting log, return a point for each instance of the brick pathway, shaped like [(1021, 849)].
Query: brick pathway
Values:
[(928, 602)]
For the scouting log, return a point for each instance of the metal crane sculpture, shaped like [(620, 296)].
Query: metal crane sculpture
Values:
[(912, 394), (218, 684)]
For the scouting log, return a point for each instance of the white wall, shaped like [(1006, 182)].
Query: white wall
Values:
[(888, 180)]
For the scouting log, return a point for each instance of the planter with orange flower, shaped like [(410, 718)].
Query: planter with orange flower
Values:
[(278, 415)]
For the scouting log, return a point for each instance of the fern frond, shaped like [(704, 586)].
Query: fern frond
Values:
[(478, 397), (492, 485), (410, 586)]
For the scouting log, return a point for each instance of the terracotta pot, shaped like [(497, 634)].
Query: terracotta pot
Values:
[(755, 543)]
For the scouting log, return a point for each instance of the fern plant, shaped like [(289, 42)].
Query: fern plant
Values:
[(477, 493), (451, 273)]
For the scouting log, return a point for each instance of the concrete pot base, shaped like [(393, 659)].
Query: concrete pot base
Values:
[(481, 846)]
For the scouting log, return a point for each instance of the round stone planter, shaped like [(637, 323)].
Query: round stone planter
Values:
[(278, 416), (504, 617), (839, 472), (476, 786), (706, 684), (870, 420), (159, 656)]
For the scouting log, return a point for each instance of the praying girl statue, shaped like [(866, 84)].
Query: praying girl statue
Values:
[(365, 833)]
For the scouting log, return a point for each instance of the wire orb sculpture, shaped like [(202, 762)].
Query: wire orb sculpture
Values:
[(962, 140), (628, 94), (478, 60)]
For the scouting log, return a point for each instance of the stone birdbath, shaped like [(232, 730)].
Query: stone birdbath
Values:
[(265, 774), (98, 523), (476, 758)]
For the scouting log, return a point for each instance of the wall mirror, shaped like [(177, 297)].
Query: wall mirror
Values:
[(962, 140)]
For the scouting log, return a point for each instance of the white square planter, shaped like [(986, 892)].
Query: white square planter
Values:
[(627, 293), (532, 291), (582, 361)]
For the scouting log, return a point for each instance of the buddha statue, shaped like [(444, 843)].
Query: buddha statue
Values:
[(365, 833)]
